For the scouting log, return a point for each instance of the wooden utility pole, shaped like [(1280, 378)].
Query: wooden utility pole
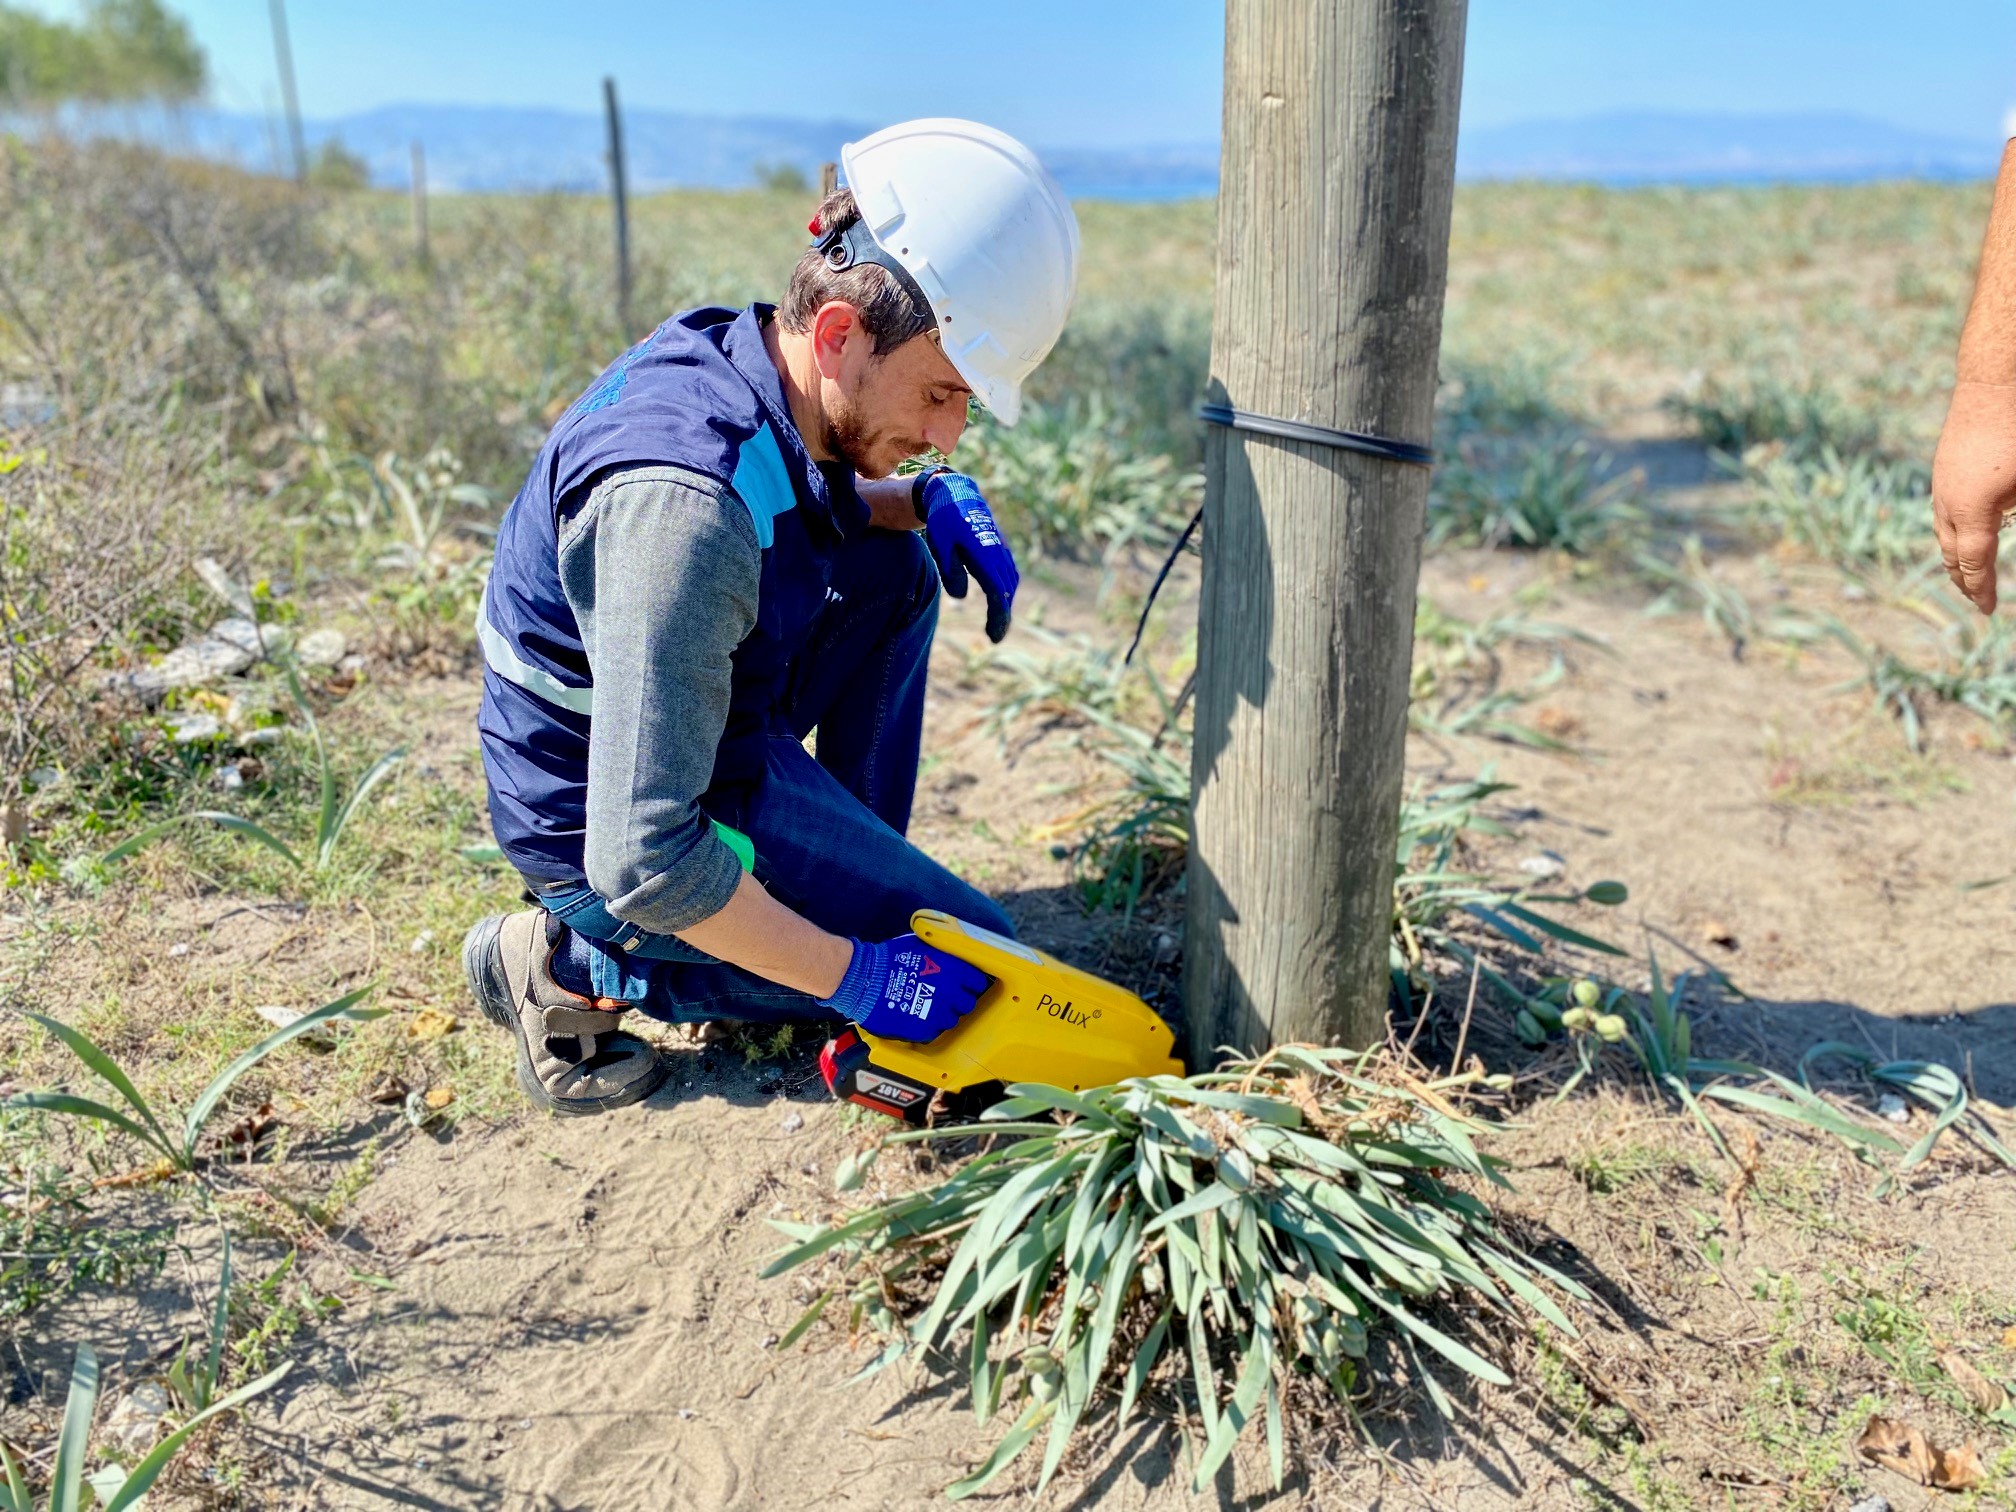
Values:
[(829, 178), (420, 248), (1333, 242), (620, 192), (283, 54)]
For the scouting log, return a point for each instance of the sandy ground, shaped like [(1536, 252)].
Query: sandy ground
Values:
[(567, 1315), (577, 1322)]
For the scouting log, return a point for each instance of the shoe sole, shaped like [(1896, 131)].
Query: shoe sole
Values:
[(483, 965)]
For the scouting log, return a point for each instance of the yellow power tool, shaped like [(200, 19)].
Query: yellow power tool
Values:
[(1039, 1021)]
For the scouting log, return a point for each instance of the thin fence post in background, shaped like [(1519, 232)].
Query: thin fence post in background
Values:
[(829, 178), (283, 53), (272, 122), (420, 248), (619, 188)]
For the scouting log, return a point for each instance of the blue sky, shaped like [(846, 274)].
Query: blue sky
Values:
[(1105, 72)]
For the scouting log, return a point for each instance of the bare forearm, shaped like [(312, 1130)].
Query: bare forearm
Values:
[(888, 501), (1988, 341), (759, 934)]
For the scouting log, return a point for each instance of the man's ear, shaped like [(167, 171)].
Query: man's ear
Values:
[(836, 325)]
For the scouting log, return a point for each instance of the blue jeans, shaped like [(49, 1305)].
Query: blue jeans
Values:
[(828, 831)]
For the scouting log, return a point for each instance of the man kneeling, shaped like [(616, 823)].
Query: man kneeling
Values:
[(711, 562)]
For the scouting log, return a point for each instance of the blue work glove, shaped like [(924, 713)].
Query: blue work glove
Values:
[(962, 534), (905, 989)]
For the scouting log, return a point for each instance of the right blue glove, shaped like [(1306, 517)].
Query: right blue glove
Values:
[(961, 532), (905, 989)]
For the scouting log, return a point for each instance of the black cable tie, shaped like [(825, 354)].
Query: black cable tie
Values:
[(1316, 435)]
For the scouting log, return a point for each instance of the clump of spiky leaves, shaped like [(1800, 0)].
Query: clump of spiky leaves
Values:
[(1290, 1215)]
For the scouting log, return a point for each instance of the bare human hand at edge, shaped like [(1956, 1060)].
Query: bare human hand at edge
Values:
[(1974, 470)]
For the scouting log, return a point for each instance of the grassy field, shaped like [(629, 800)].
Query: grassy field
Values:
[(1681, 628)]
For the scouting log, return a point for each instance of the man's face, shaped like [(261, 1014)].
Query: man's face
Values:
[(881, 408)]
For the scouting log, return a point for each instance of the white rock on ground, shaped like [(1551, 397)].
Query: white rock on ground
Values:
[(247, 635), (219, 581), (322, 648), (191, 666), (136, 1421), (188, 728), (229, 648)]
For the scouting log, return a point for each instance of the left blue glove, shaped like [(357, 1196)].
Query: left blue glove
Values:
[(962, 535), (905, 989)]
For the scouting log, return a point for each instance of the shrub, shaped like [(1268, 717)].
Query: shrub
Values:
[(1067, 482), (1854, 511), (1285, 1217), (1502, 398), (1734, 416), (1544, 493)]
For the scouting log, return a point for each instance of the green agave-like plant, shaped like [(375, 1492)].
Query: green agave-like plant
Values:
[(332, 818), (1661, 1036), (1254, 1222), (178, 1146), (112, 1488)]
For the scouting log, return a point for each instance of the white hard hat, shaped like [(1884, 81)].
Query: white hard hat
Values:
[(988, 237)]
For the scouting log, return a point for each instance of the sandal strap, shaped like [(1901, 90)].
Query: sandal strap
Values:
[(590, 1023)]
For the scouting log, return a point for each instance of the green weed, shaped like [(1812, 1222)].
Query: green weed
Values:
[(1513, 394), (1065, 482), (179, 1147), (1809, 417), (1433, 893), (1608, 1168), (332, 819), (111, 1487), (1692, 583), (1076, 682), (196, 1375), (1973, 668), (759, 1046), (1936, 1088), (1133, 844), (270, 1314), (1606, 1426), (1458, 671), (50, 1242)]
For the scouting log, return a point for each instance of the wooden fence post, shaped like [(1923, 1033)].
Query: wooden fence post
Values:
[(1333, 242), (283, 53), (619, 191), (420, 248)]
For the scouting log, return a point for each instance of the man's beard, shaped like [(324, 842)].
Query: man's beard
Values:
[(849, 439)]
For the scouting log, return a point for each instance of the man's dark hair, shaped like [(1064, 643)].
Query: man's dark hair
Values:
[(890, 314)]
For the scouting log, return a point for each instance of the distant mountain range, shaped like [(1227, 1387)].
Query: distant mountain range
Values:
[(498, 148), (1696, 149)]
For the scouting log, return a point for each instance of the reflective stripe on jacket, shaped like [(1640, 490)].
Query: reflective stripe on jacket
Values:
[(700, 394)]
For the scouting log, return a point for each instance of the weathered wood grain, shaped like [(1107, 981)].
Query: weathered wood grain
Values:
[(1333, 237)]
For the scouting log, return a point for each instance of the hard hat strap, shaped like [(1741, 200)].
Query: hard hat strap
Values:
[(847, 246)]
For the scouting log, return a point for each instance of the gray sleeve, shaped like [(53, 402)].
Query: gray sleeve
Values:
[(661, 568)]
